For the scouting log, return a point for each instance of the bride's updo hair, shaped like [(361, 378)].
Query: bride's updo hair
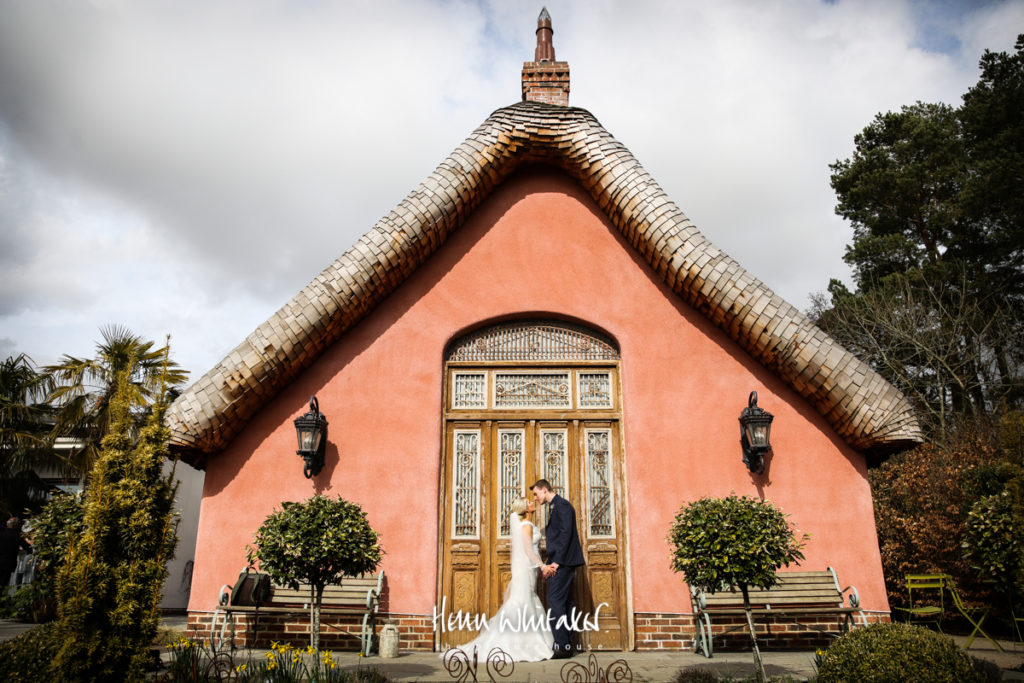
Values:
[(519, 506)]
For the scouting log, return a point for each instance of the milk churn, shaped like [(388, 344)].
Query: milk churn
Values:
[(389, 639)]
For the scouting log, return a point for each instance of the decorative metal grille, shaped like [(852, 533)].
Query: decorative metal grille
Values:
[(533, 340), (470, 390), (599, 485), (555, 465), (512, 474), (466, 488), (595, 390), (532, 390)]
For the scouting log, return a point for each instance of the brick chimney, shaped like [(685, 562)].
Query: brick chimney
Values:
[(544, 79)]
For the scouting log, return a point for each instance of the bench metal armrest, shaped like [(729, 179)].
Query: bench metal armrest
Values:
[(225, 594), (373, 595), (700, 602), (853, 598)]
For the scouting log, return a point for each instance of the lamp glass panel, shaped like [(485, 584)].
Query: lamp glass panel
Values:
[(307, 437), (757, 432)]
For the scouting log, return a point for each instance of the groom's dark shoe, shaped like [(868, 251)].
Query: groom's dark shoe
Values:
[(561, 654)]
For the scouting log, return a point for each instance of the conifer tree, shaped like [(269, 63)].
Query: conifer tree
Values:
[(109, 589)]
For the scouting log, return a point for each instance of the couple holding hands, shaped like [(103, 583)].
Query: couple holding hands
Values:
[(521, 627)]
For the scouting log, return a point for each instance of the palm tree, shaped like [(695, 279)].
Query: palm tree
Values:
[(24, 435), (81, 389)]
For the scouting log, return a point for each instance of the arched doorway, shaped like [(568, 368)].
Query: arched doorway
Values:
[(526, 400)]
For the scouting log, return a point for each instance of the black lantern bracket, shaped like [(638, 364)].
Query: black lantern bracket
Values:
[(311, 431), (755, 434)]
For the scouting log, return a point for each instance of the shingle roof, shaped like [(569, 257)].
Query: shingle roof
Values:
[(866, 411)]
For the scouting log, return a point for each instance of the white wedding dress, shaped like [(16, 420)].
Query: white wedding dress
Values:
[(520, 627)]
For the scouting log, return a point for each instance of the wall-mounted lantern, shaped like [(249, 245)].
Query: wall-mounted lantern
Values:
[(311, 430), (755, 433)]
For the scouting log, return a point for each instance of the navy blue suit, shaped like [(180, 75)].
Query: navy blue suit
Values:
[(563, 549)]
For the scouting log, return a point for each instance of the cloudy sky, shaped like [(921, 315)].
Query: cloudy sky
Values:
[(186, 167)]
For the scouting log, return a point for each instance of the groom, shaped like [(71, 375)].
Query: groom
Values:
[(564, 555)]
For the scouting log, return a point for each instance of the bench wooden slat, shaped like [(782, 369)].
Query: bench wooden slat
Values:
[(796, 601), (352, 591), (806, 596), (353, 595)]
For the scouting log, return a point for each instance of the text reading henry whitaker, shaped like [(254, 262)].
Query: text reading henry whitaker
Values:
[(518, 621)]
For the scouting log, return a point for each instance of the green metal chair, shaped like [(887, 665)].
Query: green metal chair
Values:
[(933, 586), (972, 615)]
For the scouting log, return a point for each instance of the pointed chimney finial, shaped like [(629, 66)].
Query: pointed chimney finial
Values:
[(544, 79), (545, 51)]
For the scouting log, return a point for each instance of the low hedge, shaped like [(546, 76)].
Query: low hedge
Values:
[(27, 658), (882, 653)]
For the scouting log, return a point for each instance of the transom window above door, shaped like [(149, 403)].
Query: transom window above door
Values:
[(532, 389)]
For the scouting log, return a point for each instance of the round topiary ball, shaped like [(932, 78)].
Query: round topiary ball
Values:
[(896, 652)]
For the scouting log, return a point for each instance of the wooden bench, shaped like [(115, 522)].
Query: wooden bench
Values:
[(798, 595), (256, 594)]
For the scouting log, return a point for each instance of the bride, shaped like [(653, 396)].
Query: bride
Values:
[(520, 627)]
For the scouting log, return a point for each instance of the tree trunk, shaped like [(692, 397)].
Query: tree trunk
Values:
[(317, 597), (758, 665)]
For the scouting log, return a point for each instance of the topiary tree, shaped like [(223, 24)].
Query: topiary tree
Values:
[(896, 652), (316, 542), (735, 541), (108, 590)]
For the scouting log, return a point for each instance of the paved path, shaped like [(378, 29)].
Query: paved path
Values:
[(646, 666)]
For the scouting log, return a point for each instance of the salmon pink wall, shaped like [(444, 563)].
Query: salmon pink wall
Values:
[(539, 245)]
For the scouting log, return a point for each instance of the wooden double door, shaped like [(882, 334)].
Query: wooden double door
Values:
[(490, 462)]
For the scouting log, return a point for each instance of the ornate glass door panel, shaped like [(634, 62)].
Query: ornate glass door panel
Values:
[(553, 465), (466, 482), (511, 473), (600, 520)]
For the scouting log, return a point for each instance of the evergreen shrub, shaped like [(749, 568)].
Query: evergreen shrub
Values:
[(57, 525), (108, 589), (897, 652), (25, 658)]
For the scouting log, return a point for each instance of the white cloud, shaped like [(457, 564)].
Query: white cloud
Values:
[(188, 170)]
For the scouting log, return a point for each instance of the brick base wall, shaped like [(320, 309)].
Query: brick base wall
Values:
[(416, 631), (336, 632), (654, 631), (657, 631)]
